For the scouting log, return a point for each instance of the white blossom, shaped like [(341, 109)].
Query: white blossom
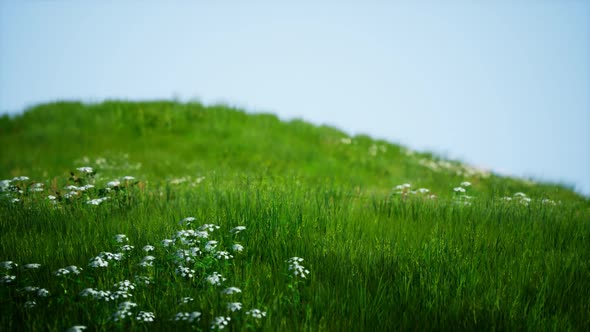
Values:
[(188, 316), (231, 290), (256, 313), (237, 229), (220, 322), (234, 306), (215, 279), (85, 169)]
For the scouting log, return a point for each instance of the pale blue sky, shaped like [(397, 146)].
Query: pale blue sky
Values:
[(501, 84)]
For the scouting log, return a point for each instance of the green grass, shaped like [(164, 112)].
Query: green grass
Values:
[(379, 258)]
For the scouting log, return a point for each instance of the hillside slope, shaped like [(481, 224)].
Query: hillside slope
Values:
[(169, 140), (166, 216)]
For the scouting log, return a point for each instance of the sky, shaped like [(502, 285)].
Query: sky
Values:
[(503, 85)]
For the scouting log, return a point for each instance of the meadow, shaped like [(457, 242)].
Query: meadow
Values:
[(178, 216)]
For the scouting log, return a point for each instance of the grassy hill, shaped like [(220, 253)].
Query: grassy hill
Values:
[(393, 239)]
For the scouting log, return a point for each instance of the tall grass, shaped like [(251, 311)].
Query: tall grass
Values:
[(378, 259)]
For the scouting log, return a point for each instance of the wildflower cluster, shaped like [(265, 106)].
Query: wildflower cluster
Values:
[(405, 190), (296, 268), (183, 253), (82, 187)]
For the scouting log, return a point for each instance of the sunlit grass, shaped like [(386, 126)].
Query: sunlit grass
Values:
[(216, 219)]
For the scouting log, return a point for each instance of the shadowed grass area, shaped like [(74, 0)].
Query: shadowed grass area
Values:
[(379, 257)]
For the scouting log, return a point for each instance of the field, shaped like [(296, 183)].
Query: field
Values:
[(171, 216)]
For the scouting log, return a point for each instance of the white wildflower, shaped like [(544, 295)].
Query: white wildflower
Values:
[(186, 300), (231, 290), (8, 279), (459, 190), (143, 280), (147, 261), (42, 292), (128, 178), (127, 248), (88, 292), (297, 269), (74, 269), (51, 198), (237, 247), (145, 316), (97, 201), (86, 187), (215, 279), (465, 184), (167, 242), (127, 305), (71, 187), (113, 184), (77, 328), (237, 229), (125, 285), (21, 178), (188, 316), (8, 265), (423, 190), (121, 315), (37, 187), (210, 246), (30, 304), (85, 169), (187, 221), (14, 200), (208, 227), (220, 322), (148, 248), (109, 256), (256, 313), (223, 255), (120, 238), (519, 194), (185, 272), (61, 272), (98, 262), (71, 194), (234, 306)]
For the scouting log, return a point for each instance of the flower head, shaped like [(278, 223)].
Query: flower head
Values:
[(8, 265), (220, 322), (234, 306), (42, 292), (223, 255), (185, 272), (237, 229), (86, 169), (215, 279), (231, 290), (8, 279), (187, 316), (61, 272), (296, 268), (145, 316), (120, 238), (256, 313)]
